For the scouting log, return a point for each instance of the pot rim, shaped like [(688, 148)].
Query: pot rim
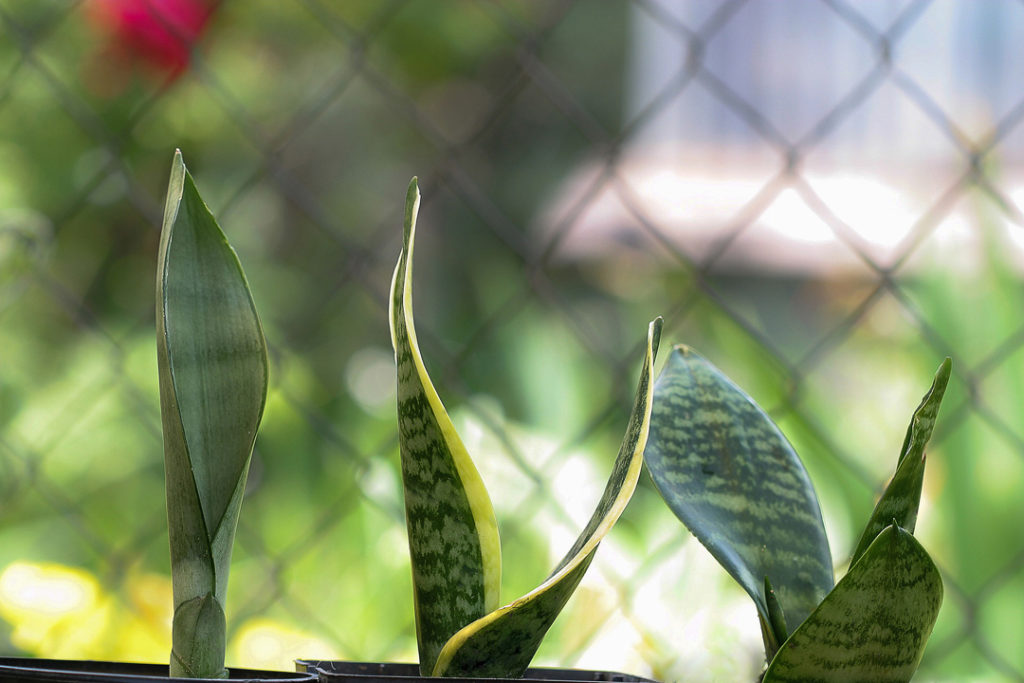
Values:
[(100, 671), (404, 672)]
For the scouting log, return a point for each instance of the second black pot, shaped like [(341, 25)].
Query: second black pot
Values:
[(386, 672)]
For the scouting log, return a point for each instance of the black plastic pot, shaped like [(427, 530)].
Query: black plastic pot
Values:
[(377, 672), (16, 669)]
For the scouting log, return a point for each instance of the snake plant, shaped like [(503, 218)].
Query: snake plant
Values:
[(726, 470), (461, 627), (212, 360)]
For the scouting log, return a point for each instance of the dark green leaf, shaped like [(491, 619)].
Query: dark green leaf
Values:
[(873, 625), (453, 536), (212, 361), (776, 629), (902, 496), (503, 643), (729, 474)]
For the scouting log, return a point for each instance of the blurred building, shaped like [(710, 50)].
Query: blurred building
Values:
[(809, 137)]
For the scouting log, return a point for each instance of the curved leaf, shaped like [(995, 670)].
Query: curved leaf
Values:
[(874, 624), (503, 643), (212, 361), (902, 496), (453, 536), (729, 474)]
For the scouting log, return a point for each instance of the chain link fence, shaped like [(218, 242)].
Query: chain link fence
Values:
[(823, 197)]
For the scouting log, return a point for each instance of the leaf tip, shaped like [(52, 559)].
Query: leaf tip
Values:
[(776, 618), (412, 205), (654, 331), (413, 193), (178, 169), (175, 190)]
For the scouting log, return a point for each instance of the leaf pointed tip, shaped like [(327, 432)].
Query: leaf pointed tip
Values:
[(945, 368), (178, 168), (413, 193), (895, 532), (654, 330), (776, 618), (412, 207), (685, 350), (175, 190)]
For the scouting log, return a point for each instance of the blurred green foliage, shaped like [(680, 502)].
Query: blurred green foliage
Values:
[(303, 123)]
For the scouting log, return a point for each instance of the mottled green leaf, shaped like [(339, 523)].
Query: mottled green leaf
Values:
[(729, 474), (212, 362), (902, 496), (874, 624), (776, 629), (453, 536), (503, 643)]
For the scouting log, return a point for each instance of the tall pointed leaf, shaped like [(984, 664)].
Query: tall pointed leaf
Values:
[(902, 496), (453, 536), (503, 643), (873, 625), (729, 474), (212, 362)]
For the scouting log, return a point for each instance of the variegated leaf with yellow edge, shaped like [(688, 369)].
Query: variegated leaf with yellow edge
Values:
[(503, 643), (453, 539), (453, 536)]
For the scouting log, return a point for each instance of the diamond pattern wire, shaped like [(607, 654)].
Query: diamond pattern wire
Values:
[(312, 202)]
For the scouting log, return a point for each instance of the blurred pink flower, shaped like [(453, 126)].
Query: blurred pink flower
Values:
[(157, 33)]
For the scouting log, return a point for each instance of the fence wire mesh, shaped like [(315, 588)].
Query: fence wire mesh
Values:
[(822, 196)]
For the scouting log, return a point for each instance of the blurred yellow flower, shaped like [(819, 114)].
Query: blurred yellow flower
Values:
[(53, 609), (144, 620), (63, 612), (263, 643)]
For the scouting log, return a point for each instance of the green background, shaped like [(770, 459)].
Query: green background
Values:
[(302, 123)]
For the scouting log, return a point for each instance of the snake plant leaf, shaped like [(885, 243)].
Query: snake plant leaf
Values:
[(453, 536), (503, 643), (902, 496), (776, 630), (198, 634), (212, 361), (733, 479), (874, 624)]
